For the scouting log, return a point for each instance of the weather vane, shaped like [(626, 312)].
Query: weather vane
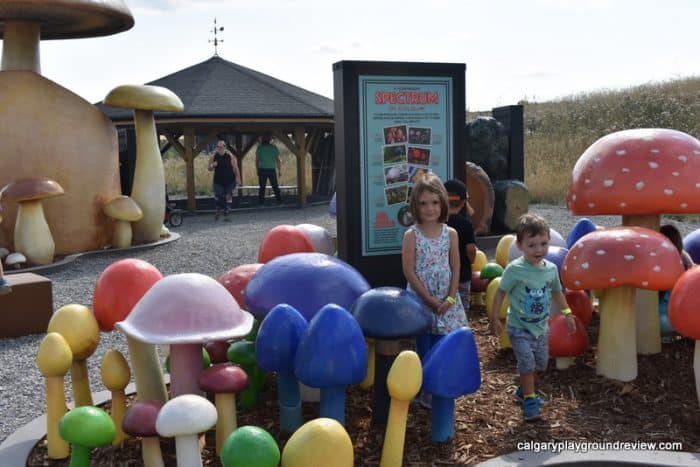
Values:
[(216, 40)]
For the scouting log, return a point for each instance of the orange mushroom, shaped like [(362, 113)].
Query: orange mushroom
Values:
[(617, 261), (639, 174), (684, 316)]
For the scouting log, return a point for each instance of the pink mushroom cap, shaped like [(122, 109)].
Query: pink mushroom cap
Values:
[(186, 309)]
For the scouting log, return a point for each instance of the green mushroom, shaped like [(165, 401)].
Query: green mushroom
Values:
[(86, 427), (250, 446), (242, 353)]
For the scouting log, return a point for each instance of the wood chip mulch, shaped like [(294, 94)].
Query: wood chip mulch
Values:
[(659, 406)]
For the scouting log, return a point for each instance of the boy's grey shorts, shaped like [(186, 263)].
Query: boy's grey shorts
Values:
[(530, 352)]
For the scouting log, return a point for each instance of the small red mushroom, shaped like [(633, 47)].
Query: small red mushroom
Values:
[(564, 346), (140, 420), (683, 314), (617, 261)]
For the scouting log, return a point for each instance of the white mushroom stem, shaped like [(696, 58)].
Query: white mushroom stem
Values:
[(121, 236), (647, 301), (147, 371), (21, 46), (149, 179), (564, 362), (32, 234), (617, 347), (187, 450), (185, 368)]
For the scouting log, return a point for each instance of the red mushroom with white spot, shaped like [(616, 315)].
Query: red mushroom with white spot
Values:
[(564, 345), (617, 261), (639, 174), (684, 316)]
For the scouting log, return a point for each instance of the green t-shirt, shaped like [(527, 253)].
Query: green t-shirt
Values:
[(267, 156), (529, 290)]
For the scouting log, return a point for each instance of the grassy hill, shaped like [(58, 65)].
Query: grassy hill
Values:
[(558, 132)]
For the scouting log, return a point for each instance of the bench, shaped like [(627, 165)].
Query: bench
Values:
[(28, 308)]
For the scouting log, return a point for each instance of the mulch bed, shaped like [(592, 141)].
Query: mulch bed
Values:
[(659, 406)]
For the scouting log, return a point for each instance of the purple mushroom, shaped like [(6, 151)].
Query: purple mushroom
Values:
[(331, 355), (275, 348), (582, 227), (306, 281), (556, 255), (185, 311), (389, 314), (140, 420), (447, 378), (691, 244)]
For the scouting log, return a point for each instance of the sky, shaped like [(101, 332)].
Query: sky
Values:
[(536, 50)]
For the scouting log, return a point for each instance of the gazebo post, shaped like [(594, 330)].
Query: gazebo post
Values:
[(300, 144), (189, 168)]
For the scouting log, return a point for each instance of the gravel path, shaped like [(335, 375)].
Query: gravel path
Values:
[(205, 246)]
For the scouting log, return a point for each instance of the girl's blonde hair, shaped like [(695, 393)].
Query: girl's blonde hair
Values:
[(432, 184)]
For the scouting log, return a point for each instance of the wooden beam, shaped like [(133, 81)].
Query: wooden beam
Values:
[(189, 168), (208, 139), (174, 141)]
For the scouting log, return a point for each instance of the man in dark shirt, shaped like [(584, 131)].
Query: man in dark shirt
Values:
[(457, 197)]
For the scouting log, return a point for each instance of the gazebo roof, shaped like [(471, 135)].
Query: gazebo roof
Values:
[(219, 89)]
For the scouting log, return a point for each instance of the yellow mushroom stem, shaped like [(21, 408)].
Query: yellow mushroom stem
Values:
[(21, 45), (122, 234), (226, 418), (32, 234), (617, 345), (150, 452), (55, 409), (118, 411), (81, 383), (147, 371), (368, 382)]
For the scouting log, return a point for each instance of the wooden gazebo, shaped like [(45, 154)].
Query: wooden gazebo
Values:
[(223, 98)]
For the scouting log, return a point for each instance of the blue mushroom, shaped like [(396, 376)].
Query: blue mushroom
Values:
[(331, 355), (582, 227), (556, 255), (275, 348), (691, 244), (388, 314), (306, 281), (447, 378)]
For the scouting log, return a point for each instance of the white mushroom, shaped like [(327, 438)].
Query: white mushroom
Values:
[(15, 260), (149, 175), (123, 210), (183, 418)]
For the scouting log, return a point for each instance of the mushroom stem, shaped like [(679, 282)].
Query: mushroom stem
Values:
[(149, 179), (333, 403), (121, 236), (150, 452), (32, 234), (81, 383), (369, 378), (617, 347), (225, 418), (394, 439), (21, 46), (147, 371), (55, 409), (290, 401), (185, 368), (564, 362), (187, 450), (79, 455), (117, 412), (442, 419), (647, 301)]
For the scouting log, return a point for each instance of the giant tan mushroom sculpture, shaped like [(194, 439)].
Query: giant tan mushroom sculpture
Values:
[(51, 130), (149, 176), (639, 174), (32, 233), (616, 261)]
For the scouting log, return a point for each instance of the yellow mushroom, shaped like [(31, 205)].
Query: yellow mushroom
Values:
[(403, 382), (54, 359), (79, 328), (368, 382), (124, 211), (115, 376), (322, 442), (503, 249)]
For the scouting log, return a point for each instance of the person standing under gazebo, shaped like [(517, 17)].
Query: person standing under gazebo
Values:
[(226, 177), (267, 161)]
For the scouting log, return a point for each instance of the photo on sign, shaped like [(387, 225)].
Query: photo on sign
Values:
[(419, 135), (396, 194), (395, 134), (394, 154), (396, 174), (415, 172), (419, 156)]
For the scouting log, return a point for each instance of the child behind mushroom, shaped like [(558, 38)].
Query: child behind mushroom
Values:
[(530, 282)]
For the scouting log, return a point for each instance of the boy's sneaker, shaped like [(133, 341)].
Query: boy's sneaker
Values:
[(531, 409), (518, 394)]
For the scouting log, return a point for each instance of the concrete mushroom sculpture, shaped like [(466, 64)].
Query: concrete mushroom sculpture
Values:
[(115, 376), (639, 174), (388, 314), (32, 235), (149, 175), (683, 314), (140, 420), (184, 311), (275, 349), (322, 442), (306, 281), (331, 355), (250, 446), (320, 238), (283, 240), (564, 346), (124, 211), (85, 428), (617, 261), (235, 280)]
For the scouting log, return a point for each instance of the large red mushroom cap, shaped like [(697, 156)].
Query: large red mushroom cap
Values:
[(236, 279), (683, 304), (282, 240), (623, 256), (637, 172), (562, 343)]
